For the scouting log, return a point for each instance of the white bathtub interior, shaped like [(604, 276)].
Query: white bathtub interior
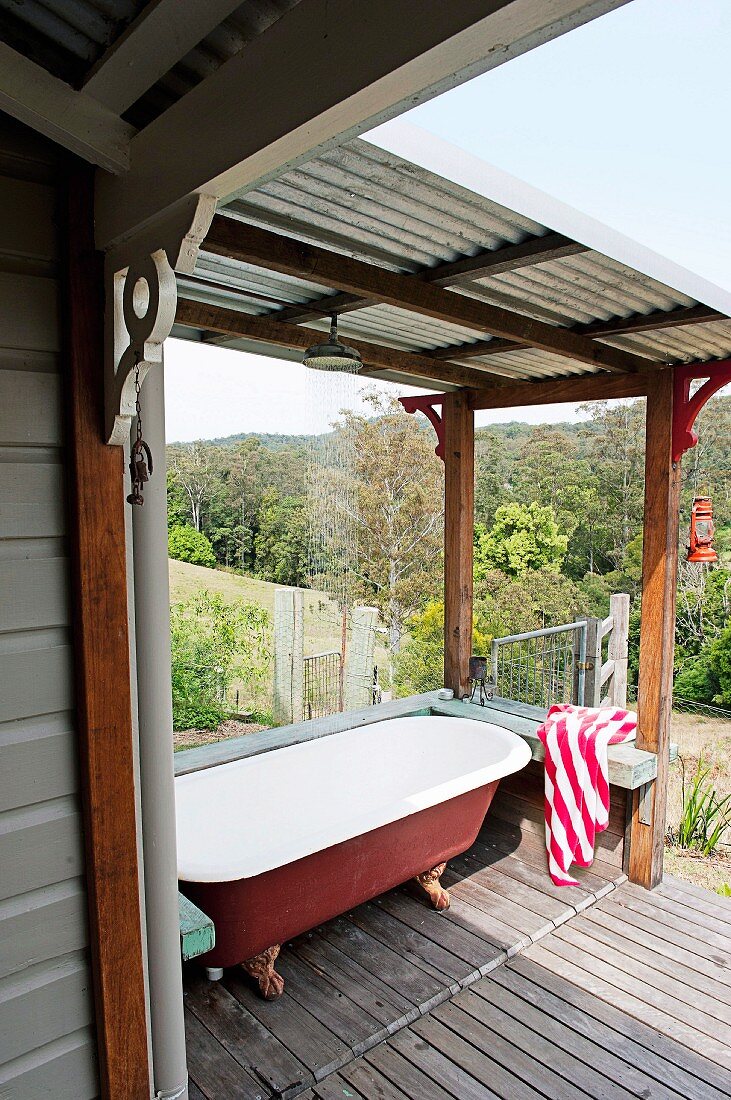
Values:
[(240, 819)]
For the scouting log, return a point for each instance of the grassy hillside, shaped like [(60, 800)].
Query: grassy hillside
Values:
[(322, 619)]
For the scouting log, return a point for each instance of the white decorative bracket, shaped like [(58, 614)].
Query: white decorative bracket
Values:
[(141, 299)]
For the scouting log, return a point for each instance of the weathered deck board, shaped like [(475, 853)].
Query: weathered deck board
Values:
[(689, 949), (529, 1055), (649, 1058), (695, 973), (366, 976), (542, 1026), (622, 995)]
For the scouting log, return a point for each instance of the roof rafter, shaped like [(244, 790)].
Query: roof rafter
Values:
[(583, 387), (260, 247), (377, 358), (618, 326), (162, 34), (535, 250), (73, 119)]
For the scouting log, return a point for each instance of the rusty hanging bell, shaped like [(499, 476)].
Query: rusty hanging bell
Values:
[(140, 469), (140, 465)]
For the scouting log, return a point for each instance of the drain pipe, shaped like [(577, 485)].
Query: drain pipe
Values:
[(155, 715)]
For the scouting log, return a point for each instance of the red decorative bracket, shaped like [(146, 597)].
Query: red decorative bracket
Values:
[(428, 404), (686, 408)]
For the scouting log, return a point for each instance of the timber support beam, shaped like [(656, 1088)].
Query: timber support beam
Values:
[(273, 251), (501, 394), (377, 359), (458, 425), (657, 631), (103, 694)]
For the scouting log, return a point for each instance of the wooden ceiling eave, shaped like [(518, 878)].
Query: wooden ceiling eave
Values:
[(250, 244)]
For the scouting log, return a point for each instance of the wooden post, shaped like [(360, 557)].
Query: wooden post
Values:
[(593, 673), (359, 666), (101, 641), (657, 631), (288, 655), (459, 522), (618, 647)]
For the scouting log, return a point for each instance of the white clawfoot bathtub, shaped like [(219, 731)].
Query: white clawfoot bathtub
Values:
[(272, 845)]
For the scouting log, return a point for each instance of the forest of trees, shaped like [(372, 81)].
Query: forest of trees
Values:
[(558, 511)]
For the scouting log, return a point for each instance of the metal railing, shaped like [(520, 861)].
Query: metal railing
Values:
[(566, 663), (321, 685), (541, 667)]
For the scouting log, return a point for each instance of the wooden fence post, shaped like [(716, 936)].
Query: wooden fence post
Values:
[(618, 647), (593, 674), (459, 522), (289, 659), (657, 630), (359, 665)]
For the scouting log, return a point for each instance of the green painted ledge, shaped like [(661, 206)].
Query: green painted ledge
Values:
[(197, 934), (628, 767)]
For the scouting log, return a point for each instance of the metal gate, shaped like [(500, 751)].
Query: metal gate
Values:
[(321, 685), (542, 667)]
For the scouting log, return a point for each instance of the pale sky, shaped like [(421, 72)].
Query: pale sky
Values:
[(626, 119)]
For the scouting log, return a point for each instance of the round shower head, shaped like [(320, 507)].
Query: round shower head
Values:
[(333, 354)]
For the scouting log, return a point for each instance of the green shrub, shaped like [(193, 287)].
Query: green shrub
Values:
[(720, 662), (523, 537), (419, 665), (696, 681), (187, 544), (705, 817), (213, 644)]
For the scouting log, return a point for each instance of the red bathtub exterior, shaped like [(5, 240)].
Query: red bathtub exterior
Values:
[(252, 914)]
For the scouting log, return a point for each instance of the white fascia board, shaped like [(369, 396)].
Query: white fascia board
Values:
[(321, 74), (412, 143), (56, 110)]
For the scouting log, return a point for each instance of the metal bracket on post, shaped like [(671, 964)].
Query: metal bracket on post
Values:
[(141, 299), (645, 803), (685, 407), (428, 405)]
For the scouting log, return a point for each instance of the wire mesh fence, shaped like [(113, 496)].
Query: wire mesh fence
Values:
[(321, 685), (541, 667), (688, 706)]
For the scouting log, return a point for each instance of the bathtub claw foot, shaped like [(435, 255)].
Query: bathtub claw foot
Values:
[(430, 884), (261, 968)]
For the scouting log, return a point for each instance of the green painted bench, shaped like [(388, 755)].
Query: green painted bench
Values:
[(197, 934)]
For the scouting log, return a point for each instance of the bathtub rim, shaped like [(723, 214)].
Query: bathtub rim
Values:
[(629, 767)]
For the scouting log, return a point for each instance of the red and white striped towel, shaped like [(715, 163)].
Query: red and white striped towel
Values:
[(577, 783)]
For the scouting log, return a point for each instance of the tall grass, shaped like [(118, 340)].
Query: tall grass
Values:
[(705, 816)]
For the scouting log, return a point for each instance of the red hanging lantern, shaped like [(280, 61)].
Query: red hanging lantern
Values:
[(700, 547)]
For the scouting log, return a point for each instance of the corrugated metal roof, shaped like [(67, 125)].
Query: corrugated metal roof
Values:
[(66, 36), (365, 202), (368, 203)]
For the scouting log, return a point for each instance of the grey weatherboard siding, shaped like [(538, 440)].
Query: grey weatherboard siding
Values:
[(46, 1011)]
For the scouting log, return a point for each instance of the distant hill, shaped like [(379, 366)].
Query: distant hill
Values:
[(514, 433)]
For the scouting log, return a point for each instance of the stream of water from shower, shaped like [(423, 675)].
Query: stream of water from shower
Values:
[(332, 509)]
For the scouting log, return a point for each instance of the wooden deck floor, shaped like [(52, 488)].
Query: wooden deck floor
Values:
[(367, 976), (520, 990), (631, 998)]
